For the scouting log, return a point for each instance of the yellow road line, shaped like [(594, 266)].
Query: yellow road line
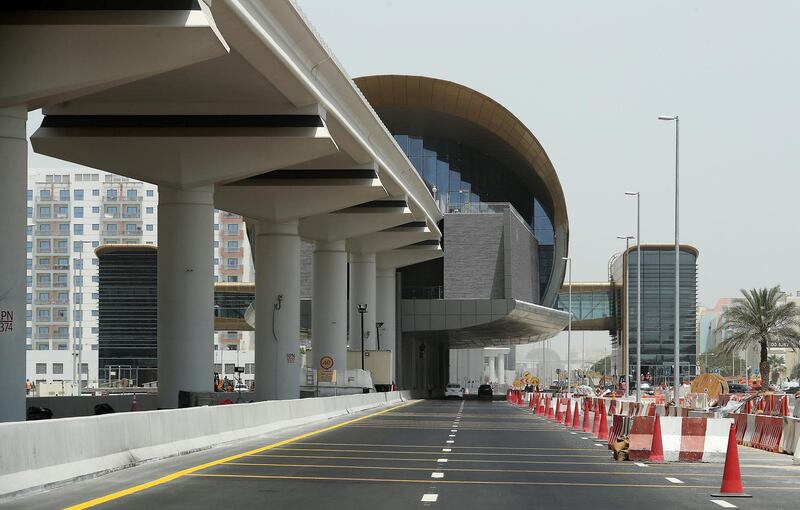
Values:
[(475, 470), (193, 470), (471, 482)]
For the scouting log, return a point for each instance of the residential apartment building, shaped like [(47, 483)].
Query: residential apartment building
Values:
[(73, 211), (70, 213), (233, 263)]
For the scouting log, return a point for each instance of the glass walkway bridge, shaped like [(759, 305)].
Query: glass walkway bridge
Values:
[(595, 305)]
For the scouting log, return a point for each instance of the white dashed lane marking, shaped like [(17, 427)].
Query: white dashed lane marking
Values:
[(429, 498), (640, 464), (673, 480), (441, 460), (723, 503), (437, 474)]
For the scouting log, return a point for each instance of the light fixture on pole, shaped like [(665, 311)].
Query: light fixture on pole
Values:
[(627, 302), (378, 326), (362, 309), (677, 376), (568, 260)]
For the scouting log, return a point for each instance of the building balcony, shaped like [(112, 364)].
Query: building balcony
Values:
[(224, 252)]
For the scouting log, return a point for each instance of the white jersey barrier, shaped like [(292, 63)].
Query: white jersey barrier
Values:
[(684, 439), (40, 454), (791, 435)]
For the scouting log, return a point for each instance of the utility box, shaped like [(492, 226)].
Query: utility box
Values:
[(378, 363)]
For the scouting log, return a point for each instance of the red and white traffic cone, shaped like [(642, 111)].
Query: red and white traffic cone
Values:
[(568, 415), (576, 418), (602, 433), (657, 446), (587, 425), (732, 474)]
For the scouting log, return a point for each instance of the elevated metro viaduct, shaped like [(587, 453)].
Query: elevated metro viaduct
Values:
[(239, 105)]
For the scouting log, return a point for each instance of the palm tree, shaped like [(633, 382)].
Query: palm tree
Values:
[(776, 366), (759, 319)]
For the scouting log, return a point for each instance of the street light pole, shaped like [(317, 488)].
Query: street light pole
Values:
[(627, 302), (378, 326), (677, 378), (362, 309), (569, 330), (638, 292)]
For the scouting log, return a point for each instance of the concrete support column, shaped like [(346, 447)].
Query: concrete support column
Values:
[(501, 369), (185, 292), (386, 310), (14, 175), (492, 372), (362, 291), (277, 311), (329, 304)]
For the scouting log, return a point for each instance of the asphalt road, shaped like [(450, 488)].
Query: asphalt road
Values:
[(438, 454)]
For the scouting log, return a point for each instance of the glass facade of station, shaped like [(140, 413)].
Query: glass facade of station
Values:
[(658, 310), (462, 179)]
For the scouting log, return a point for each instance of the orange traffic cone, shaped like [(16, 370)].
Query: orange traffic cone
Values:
[(613, 409), (603, 432), (587, 426), (549, 411), (568, 416), (557, 411), (576, 418), (657, 446), (731, 474), (596, 424)]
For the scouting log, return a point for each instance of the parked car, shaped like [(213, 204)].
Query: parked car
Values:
[(647, 388), (738, 388), (484, 391), (453, 391)]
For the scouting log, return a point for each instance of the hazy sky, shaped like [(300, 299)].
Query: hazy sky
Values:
[(589, 79)]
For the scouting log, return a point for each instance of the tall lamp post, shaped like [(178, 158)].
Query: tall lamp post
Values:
[(568, 260), (627, 300), (378, 326), (677, 375), (362, 309), (638, 292)]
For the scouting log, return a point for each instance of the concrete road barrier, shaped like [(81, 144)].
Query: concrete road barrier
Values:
[(684, 439), (791, 435), (40, 454)]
